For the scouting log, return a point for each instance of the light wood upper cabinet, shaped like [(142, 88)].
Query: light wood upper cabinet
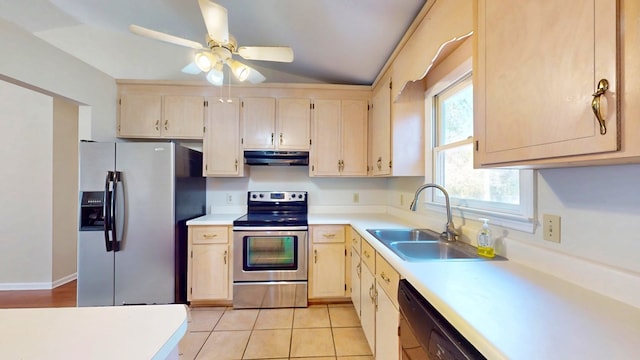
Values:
[(222, 149), (140, 116), (157, 116), (339, 146), (259, 119), (380, 161), (294, 124), (536, 68), (266, 129)]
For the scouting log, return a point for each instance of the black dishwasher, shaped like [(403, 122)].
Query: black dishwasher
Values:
[(425, 334)]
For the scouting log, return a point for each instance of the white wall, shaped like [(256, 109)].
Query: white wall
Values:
[(65, 191), (26, 192), (325, 194), (26, 213)]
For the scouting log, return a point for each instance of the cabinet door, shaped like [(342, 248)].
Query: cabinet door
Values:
[(537, 66), (354, 138), (356, 270), (259, 122), (368, 308), (183, 117), (209, 272), (325, 150), (222, 150), (328, 276), (140, 116), (381, 129), (294, 124), (387, 322)]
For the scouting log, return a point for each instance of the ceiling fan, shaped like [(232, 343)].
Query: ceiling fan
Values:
[(220, 48)]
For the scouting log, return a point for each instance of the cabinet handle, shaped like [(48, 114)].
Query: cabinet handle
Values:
[(281, 139), (315, 256), (366, 254), (157, 124), (166, 124), (371, 293), (271, 138), (328, 236), (375, 298), (603, 86), (209, 236), (225, 257), (359, 270), (385, 277), (379, 163), (236, 164)]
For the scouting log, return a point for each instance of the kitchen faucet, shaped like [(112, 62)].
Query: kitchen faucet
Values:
[(450, 230)]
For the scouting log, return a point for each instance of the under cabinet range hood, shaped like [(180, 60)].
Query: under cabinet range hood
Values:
[(277, 158)]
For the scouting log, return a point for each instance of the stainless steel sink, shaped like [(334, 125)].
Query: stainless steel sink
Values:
[(416, 245), (431, 250), (390, 235)]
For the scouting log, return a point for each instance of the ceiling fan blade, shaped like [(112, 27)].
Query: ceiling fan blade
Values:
[(266, 53), (156, 35), (191, 68), (216, 20), (255, 77)]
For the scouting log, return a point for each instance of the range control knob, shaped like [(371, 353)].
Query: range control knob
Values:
[(261, 196), (254, 196)]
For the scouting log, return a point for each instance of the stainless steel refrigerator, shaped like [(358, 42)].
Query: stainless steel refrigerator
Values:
[(135, 199)]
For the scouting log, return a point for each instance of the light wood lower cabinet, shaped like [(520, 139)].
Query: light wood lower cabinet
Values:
[(376, 301), (209, 264), (327, 262)]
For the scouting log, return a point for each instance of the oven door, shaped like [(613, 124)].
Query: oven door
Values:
[(269, 254)]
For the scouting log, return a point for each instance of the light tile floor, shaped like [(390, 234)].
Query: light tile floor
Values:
[(319, 332)]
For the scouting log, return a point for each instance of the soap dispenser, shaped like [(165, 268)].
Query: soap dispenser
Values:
[(485, 242)]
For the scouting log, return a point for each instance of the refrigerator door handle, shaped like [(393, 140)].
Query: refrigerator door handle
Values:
[(106, 209), (118, 212)]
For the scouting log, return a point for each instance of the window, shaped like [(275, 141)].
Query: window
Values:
[(504, 195)]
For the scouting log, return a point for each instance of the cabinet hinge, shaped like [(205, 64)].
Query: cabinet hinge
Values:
[(369, 106), (390, 164), (313, 106), (204, 129), (241, 140), (242, 104), (476, 145), (206, 103), (119, 101), (192, 250), (398, 331), (345, 287), (390, 84), (190, 290), (206, 167), (345, 252), (313, 168), (309, 142)]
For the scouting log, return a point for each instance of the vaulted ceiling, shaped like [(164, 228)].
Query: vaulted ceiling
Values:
[(334, 41)]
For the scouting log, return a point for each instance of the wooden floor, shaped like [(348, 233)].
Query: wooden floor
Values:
[(62, 296)]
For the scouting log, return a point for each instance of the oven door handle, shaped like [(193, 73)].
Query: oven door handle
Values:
[(270, 228)]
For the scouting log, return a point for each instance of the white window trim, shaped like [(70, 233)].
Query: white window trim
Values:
[(525, 221)]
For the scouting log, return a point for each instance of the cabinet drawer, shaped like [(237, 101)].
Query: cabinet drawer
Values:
[(328, 234), (209, 234), (388, 277), (356, 241), (369, 256)]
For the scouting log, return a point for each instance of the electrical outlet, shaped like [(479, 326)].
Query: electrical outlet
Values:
[(551, 227), (229, 198), (356, 197)]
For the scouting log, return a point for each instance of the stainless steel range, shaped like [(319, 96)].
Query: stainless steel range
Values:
[(270, 247)]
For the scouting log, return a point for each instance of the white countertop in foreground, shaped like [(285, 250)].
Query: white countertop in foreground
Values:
[(507, 310), (109, 332)]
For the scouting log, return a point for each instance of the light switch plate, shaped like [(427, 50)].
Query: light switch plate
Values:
[(551, 227)]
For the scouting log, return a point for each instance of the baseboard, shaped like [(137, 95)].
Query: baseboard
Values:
[(38, 285)]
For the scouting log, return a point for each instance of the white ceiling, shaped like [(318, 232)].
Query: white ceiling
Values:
[(334, 41)]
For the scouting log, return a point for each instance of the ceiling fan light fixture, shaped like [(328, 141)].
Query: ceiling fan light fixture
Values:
[(204, 60), (240, 70), (215, 75)]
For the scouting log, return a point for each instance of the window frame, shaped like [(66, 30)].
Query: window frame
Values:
[(521, 218)]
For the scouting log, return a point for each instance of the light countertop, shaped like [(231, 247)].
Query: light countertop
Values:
[(108, 332), (507, 310)]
